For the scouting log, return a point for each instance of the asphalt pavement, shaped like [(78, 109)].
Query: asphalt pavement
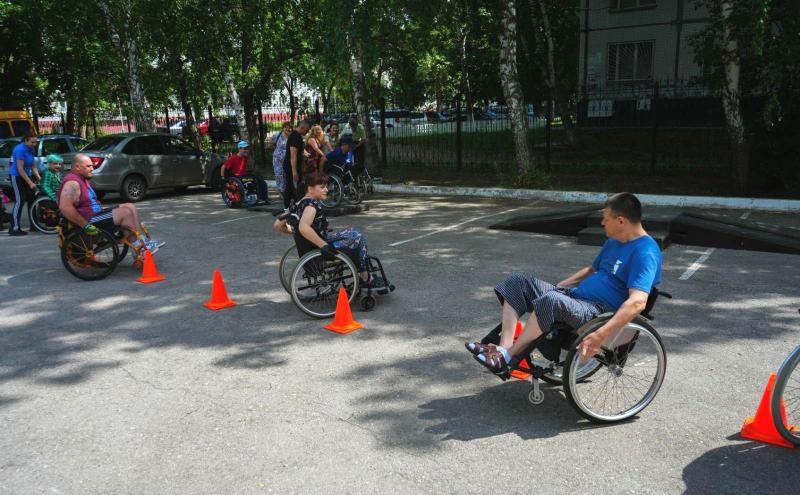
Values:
[(117, 387)]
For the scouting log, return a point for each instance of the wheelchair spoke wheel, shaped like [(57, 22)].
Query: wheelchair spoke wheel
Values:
[(628, 373), (315, 283), (335, 192), (233, 192), (90, 257), (44, 215), (287, 265), (785, 404)]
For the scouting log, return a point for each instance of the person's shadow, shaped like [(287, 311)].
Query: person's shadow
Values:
[(500, 410), (748, 467)]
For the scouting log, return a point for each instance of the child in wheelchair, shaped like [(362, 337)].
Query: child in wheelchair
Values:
[(239, 186), (51, 180), (308, 218)]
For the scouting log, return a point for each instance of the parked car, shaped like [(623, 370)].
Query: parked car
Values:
[(202, 127), (418, 118), (177, 128), (224, 129), (15, 123), (63, 144), (133, 163)]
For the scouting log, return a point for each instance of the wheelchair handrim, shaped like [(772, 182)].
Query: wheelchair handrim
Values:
[(44, 217), (786, 398), (321, 303), (622, 389)]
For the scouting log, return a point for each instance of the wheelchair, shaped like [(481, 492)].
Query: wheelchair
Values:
[(313, 280), (243, 192), (611, 386), (44, 214), (94, 257), (344, 184)]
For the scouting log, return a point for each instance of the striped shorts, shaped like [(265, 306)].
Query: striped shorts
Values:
[(104, 220), (527, 294)]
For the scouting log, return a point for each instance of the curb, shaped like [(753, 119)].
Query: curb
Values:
[(780, 205)]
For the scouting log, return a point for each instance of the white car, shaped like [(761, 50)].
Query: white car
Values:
[(177, 129)]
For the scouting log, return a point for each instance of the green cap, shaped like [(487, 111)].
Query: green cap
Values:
[(54, 158)]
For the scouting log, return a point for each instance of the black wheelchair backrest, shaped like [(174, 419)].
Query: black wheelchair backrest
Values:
[(651, 302)]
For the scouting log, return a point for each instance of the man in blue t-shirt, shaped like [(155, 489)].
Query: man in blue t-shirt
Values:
[(619, 280), (24, 175), (338, 157)]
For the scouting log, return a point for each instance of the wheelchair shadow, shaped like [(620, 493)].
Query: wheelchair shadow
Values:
[(503, 409), (748, 467)]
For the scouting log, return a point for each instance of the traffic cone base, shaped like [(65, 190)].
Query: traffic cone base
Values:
[(219, 296), (521, 375), (149, 271), (760, 427), (343, 321)]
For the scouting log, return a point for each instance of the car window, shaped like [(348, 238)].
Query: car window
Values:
[(144, 145), (105, 143), (78, 143), (58, 145), (175, 146), (6, 149), (20, 127), (5, 130)]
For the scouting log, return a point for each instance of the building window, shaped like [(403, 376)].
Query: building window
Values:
[(631, 4), (630, 61)]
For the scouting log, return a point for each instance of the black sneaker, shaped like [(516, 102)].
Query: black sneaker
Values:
[(17, 232)]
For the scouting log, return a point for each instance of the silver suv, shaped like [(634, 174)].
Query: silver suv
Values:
[(132, 163)]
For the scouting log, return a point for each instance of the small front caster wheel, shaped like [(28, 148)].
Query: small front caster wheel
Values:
[(367, 303), (536, 397)]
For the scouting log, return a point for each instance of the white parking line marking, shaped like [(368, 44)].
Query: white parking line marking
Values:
[(744, 215), (452, 227), (232, 220), (696, 265)]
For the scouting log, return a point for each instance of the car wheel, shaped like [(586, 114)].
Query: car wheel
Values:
[(215, 182), (133, 188)]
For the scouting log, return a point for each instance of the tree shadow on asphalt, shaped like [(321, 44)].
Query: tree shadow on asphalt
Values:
[(748, 467)]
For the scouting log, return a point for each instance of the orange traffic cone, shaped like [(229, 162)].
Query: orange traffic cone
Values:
[(516, 373), (149, 271), (219, 296), (343, 321), (761, 427)]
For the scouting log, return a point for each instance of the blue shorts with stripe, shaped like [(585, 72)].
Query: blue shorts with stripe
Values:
[(528, 294), (104, 220)]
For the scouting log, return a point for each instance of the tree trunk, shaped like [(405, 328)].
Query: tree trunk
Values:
[(512, 91), (233, 100), (288, 83), (362, 100), (731, 98), (190, 128), (70, 124), (550, 69), (125, 42)]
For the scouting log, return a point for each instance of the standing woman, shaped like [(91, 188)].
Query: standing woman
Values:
[(331, 138), (278, 144), (316, 157), (22, 173)]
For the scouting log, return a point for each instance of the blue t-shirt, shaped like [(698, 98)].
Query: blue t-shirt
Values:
[(337, 157), (619, 267), (24, 153)]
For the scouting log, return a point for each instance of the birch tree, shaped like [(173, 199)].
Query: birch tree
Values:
[(509, 78)]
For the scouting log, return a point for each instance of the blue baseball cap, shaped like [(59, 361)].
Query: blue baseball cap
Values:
[(243, 144)]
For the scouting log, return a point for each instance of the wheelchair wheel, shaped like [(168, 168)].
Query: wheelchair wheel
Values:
[(354, 194), (233, 192), (315, 283), (90, 257), (335, 192), (286, 267), (786, 397), (632, 368), (44, 215)]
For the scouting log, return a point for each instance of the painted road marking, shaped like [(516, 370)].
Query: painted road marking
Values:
[(744, 215), (452, 227), (696, 265)]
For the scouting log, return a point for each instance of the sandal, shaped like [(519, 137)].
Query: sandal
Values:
[(478, 348), (494, 362)]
